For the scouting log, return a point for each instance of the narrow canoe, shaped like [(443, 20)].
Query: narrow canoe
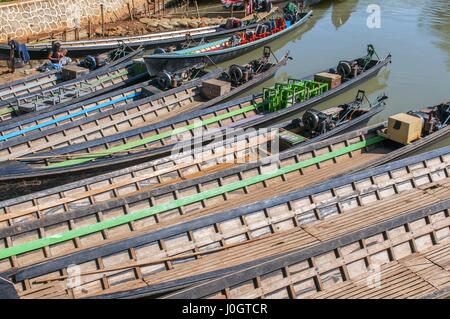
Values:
[(121, 75), (141, 144), (30, 85), (119, 114), (157, 218), (153, 40), (214, 52)]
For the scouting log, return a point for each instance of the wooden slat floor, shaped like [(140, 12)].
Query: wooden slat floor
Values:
[(414, 276), (304, 236)]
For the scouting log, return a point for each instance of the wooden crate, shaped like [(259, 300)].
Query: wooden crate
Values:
[(70, 72), (214, 88), (333, 80), (404, 128)]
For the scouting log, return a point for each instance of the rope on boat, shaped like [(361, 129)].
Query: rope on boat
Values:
[(175, 204)]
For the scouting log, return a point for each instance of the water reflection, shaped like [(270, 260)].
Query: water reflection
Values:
[(436, 16), (342, 11)]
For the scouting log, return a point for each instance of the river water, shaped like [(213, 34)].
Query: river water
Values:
[(415, 32)]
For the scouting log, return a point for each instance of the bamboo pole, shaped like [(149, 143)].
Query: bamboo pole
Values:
[(196, 8), (102, 13), (129, 11)]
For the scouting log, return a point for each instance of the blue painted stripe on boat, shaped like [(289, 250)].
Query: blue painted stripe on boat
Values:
[(65, 117)]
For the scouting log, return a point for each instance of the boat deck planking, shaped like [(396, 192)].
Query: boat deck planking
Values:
[(32, 84), (116, 119), (285, 236), (428, 170), (329, 268)]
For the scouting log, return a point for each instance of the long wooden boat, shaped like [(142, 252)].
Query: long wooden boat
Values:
[(95, 83), (49, 79), (110, 118), (234, 148), (182, 231), (141, 144), (154, 40), (223, 49), (347, 256)]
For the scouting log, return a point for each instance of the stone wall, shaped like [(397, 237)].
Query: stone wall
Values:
[(20, 19)]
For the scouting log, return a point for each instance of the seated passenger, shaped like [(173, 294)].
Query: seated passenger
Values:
[(57, 55)]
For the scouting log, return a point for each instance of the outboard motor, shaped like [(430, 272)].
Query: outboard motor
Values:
[(88, 62), (315, 121), (344, 69), (429, 123), (94, 62), (159, 51), (240, 74), (422, 115), (164, 80)]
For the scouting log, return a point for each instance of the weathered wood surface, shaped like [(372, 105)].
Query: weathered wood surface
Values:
[(253, 224)]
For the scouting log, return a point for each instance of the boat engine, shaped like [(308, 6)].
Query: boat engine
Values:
[(94, 62), (240, 74), (429, 122), (348, 69), (317, 122), (159, 51), (166, 80)]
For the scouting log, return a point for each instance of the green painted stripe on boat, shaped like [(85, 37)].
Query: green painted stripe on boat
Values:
[(124, 219), (6, 111), (153, 138)]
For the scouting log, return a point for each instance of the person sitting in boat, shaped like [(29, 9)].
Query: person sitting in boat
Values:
[(57, 55)]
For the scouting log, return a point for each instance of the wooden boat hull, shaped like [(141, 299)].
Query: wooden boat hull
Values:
[(77, 49), (18, 175), (170, 62), (94, 83), (253, 135), (401, 274), (200, 222), (39, 82), (121, 112)]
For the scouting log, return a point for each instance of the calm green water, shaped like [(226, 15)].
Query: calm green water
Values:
[(415, 32)]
